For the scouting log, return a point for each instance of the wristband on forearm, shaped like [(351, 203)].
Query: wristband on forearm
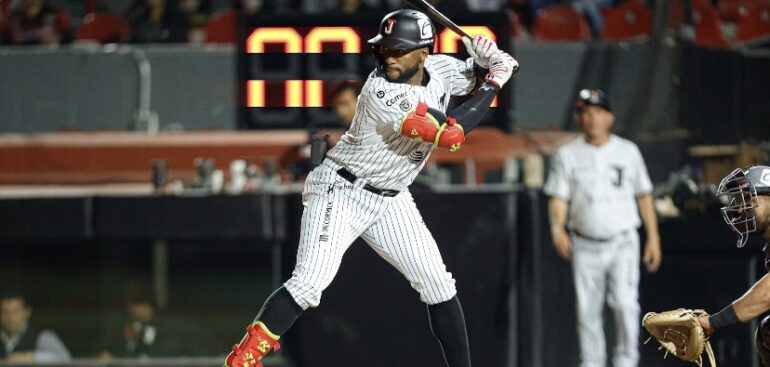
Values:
[(724, 318)]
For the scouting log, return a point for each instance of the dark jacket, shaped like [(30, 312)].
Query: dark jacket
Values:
[(27, 343)]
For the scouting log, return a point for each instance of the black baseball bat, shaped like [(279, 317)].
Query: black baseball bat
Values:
[(432, 12)]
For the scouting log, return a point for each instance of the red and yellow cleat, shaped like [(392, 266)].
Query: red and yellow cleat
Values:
[(257, 342)]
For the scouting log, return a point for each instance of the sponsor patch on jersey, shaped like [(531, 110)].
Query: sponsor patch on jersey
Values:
[(426, 31), (396, 98), (380, 94), (765, 179), (405, 105)]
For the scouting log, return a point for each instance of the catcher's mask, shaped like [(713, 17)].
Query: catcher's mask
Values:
[(405, 30), (738, 192)]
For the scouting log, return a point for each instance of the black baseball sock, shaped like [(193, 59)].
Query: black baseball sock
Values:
[(279, 311), (448, 325)]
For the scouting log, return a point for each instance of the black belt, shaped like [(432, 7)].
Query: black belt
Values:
[(352, 179)]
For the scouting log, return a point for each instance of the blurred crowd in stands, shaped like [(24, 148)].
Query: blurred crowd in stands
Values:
[(716, 23), (23, 341), (139, 331)]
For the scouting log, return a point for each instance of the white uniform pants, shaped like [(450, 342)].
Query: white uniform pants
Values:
[(607, 268), (337, 212)]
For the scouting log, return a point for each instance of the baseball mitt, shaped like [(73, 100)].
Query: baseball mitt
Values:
[(680, 333)]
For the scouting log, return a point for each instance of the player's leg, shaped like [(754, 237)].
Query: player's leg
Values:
[(623, 298), (334, 216), (401, 238), (589, 271), (447, 324), (326, 232), (762, 341)]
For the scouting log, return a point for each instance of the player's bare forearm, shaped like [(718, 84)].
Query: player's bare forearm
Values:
[(557, 213), (755, 302), (652, 254), (649, 218)]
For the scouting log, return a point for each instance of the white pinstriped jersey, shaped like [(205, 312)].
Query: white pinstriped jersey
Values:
[(601, 183), (337, 211), (373, 149)]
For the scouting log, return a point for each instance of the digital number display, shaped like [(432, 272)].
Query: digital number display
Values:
[(287, 70)]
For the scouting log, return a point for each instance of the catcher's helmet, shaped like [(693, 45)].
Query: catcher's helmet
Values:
[(738, 192), (405, 29)]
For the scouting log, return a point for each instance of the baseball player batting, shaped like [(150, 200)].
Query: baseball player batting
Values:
[(361, 188)]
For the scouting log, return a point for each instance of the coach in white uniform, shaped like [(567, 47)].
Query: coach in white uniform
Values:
[(361, 188), (598, 186)]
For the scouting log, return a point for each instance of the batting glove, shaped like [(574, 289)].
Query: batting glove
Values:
[(501, 67), (481, 48)]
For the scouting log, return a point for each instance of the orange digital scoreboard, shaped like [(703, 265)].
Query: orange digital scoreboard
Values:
[(288, 69)]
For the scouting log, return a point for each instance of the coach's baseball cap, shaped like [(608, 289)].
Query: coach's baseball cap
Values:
[(591, 97)]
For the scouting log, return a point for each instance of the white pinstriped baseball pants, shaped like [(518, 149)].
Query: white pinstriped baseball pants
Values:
[(337, 212), (608, 269)]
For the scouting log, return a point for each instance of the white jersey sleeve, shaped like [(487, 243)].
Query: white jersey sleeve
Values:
[(458, 74), (558, 177), (642, 182)]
